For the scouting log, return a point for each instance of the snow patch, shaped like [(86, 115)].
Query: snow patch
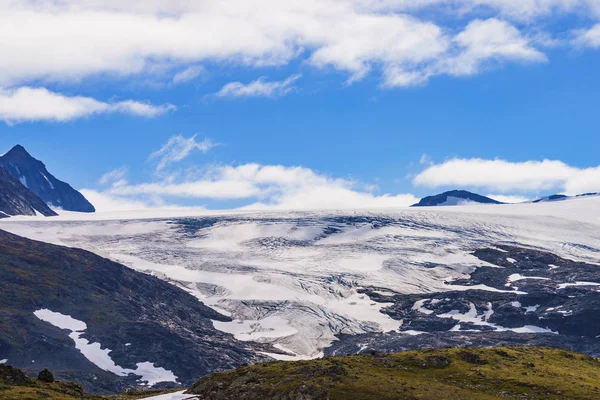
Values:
[(532, 308), (419, 306), (173, 396), (473, 317), (47, 180), (294, 357), (4, 361), (518, 277), (99, 356), (566, 285), (248, 330)]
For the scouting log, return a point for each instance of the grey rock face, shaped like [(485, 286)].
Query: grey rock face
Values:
[(33, 174), (16, 199)]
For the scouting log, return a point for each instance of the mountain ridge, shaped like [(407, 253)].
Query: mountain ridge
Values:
[(16, 199), (32, 173)]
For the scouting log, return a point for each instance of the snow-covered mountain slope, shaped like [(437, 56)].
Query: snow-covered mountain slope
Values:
[(33, 174), (455, 198), (302, 280)]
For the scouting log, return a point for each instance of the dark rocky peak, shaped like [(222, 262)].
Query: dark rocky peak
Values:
[(33, 174), (17, 152)]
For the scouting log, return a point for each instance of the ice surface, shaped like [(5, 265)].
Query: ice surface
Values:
[(99, 356), (473, 317), (173, 396), (566, 285), (293, 279)]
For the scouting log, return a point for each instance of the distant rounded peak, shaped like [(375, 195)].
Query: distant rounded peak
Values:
[(445, 198)]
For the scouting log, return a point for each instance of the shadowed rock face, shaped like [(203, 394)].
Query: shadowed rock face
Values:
[(137, 316), (34, 175), (16, 199)]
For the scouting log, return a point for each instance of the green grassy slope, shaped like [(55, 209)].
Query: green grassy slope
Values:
[(448, 374)]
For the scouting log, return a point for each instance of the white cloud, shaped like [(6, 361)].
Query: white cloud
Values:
[(508, 198), (259, 88), (140, 109), (589, 38), (188, 74), (106, 202), (67, 40), (530, 9), (521, 10), (425, 159), (505, 176), (178, 148), (490, 40), (267, 187), (331, 197), (480, 44), (116, 177), (40, 104)]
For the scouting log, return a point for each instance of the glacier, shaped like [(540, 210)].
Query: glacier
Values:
[(295, 279)]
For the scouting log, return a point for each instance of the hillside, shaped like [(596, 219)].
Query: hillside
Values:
[(105, 326), (448, 374), (15, 385)]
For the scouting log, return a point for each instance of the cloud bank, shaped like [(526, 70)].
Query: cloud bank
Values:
[(179, 148), (258, 187), (40, 104), (71, 39), (505, 176), (259, 88), (402, 42)]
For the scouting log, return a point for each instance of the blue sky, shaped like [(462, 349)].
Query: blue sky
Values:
[(369, 104)]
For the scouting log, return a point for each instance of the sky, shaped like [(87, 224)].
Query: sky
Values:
[(303, 104)]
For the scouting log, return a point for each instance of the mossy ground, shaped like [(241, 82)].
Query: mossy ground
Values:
[(60, 391), (447, 374)]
